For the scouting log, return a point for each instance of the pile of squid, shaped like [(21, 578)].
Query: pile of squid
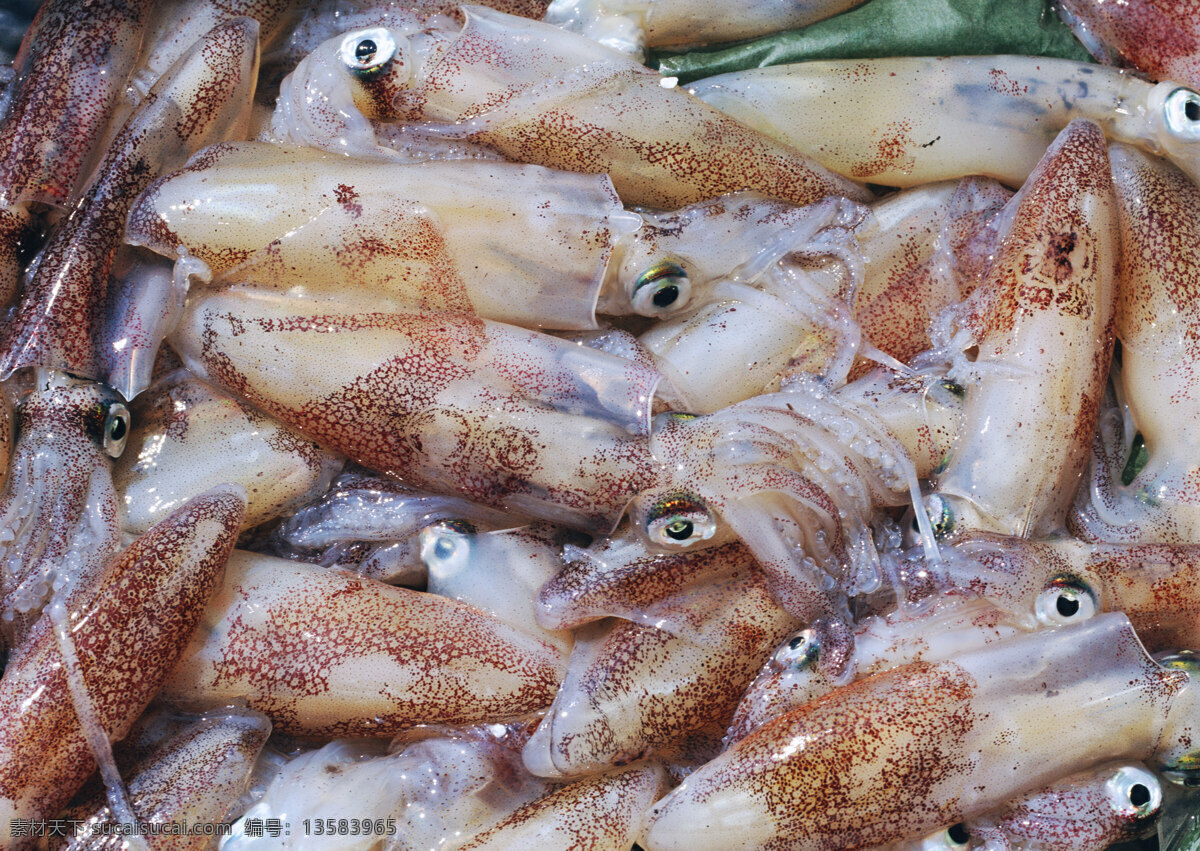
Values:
[(426, 426)]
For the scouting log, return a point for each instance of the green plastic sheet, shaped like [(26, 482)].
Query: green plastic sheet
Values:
[(894, 28)]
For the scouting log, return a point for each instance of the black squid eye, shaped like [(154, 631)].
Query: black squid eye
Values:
[(116, 429), (662, 288), (367, 51)]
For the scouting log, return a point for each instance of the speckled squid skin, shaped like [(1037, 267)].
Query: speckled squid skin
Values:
[(632, 689), (919, 247), (601, 813), (187, 436), (204, 99), (902, 753), (1156, 322), (1160, 39), (793, 677), (912, 120), (446, 402), (538, 94), (127, 633), (325, 652), (1042, 323), (1154, 585), (419, 234), (58, 512), (193, 778), (73, 66)]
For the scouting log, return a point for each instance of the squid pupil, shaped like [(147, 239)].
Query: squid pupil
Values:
[(364, 50), (1067, 606), (796, 642), (666, 296), (1192, 110), (117, 430), (959, 834), (1139, 795), (679, 530)]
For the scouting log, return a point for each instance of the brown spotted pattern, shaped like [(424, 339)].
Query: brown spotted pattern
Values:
[(632, 689), (330, 653), (192, 778), (205, 98), (1043, 321), (127, 633), (602, 813), (73, 66), (1160, 38)]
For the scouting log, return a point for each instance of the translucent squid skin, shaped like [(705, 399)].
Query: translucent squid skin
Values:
[(605, 812), (381, 646), (72, 69), (1088, 811), (205, 97), (1159, 208), (445, 402), (188, 436), (659, 23), (793, 677), (127, 631), (538, 94), (1043, 324), (931, 744), (194, 777), (633, 689), (1159, 39), (59, 515), (909, 121)]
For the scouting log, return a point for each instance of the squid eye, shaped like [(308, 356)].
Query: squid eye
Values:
[(367, 51), (661, 289), (1181, 114), (668, 417), (679, 520), (1134, 792), (800, 652), (941, 518), (116, 429), (955, 836), (1066, 600), (446, 547)]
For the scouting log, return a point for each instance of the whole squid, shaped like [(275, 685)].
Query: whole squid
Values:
[(913, 120), (1036, 338), (902, 753), (426, 234), (59, 520), (122, 638), (203, 99), (538, 94)]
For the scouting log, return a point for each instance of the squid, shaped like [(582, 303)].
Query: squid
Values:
[(908, 121), (204, 98), (187, 437), (538, 94), (1158, 209), (1160, 39), (195, 777), (633, 689), (931, 744), (424, 234), (372, 672), (461, 405), (1088, 811), (792, 677), (82, 680), (59, 521), (631, 27), (1041, 330)]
